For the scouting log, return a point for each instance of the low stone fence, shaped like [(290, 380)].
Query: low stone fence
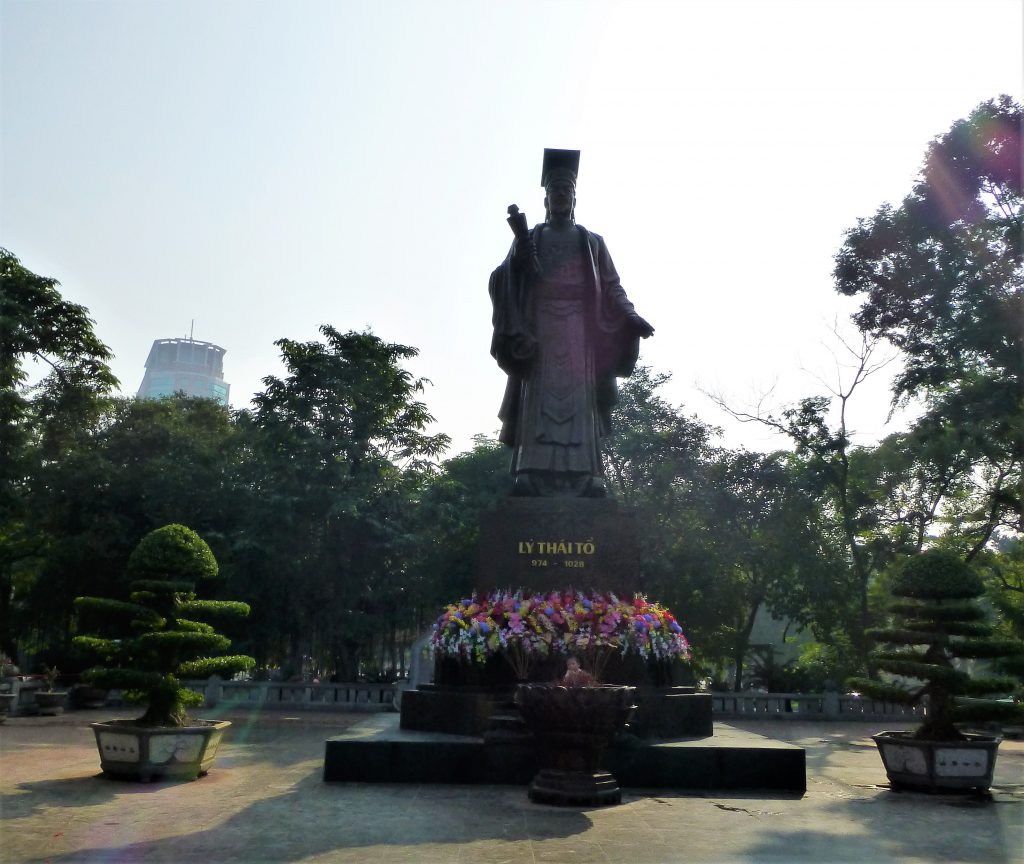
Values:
[(809, 706), (299, 695), (384, 697), (362, 696), (24, 690)]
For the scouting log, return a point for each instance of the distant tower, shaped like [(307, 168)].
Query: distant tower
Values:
[(193, 367)]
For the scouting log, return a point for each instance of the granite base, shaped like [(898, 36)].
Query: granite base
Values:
[(378, 751)]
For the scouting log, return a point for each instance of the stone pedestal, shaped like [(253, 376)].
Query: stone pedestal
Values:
[(377, 751), (661, 713), (543, 544)]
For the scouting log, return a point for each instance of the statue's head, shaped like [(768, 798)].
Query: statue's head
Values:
[(558, 177)]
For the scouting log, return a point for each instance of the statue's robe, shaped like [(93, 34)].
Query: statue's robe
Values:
[(562, 339)]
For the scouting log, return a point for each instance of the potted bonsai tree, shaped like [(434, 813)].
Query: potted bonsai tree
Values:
[(50, 700), (938, 621), (147, 644)]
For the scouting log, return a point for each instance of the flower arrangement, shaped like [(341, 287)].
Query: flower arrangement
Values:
[(525, 627)]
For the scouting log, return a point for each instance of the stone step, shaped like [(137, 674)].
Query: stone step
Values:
[(731, 759)]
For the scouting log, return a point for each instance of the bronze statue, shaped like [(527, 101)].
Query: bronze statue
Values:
[(563, 331)]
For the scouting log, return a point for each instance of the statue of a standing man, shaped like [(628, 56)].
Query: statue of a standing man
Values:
[(563, 331)]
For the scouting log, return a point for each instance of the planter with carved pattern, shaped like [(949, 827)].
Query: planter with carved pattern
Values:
[(151, 752)]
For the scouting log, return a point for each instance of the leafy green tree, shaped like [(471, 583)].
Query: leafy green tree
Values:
[(39, 423), (331, 463), (940, 277), (657, 460), (1003, 572), (656, 453), (839, 475), (147, 463), (447, 525), (724, 534), (768, 544)]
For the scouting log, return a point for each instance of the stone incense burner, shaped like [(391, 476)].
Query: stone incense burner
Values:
[(573, 727)]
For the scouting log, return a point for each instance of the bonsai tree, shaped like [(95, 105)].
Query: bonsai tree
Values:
[(51, 674), (937, 620), (162, 632)]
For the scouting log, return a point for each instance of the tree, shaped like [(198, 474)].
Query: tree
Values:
[(657, 461), (447, 525), (37, 424), (767, 544), (332, 458), (724, 534), (146, 463), (940, 277), (836, 472)]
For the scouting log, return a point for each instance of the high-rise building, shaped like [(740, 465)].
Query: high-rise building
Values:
[(187, 365)]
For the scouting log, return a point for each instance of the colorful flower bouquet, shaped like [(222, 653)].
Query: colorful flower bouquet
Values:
[(524, 628)]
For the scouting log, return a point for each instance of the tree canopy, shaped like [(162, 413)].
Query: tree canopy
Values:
[(942, 278)]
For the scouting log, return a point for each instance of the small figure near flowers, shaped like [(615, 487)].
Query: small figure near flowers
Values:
[(575, 675)]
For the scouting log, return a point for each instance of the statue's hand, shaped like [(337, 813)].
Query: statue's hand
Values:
[(523, 348), (525, 253), (641, 326)]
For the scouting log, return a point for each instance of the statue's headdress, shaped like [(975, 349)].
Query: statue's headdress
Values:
[(560, 165)]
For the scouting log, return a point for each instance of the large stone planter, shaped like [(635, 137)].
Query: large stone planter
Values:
[(937, 766), (147, 752), (573, 727)]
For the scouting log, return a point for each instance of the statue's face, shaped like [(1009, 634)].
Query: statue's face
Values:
[(561, 198), (572, 665)]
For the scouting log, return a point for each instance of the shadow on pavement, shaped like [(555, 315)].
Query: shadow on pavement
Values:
[(315, 818), (33, 796), (964, 828)]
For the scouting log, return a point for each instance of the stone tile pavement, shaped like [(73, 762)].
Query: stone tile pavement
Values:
[(264, 801)]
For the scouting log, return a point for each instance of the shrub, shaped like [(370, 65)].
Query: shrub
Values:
[(162, 631), (937, 620)]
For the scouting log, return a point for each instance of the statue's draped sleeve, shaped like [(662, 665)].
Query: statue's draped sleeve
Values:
[(511, 343), (617, 341)]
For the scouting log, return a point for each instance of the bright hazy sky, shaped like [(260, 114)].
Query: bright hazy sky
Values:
[(266, 167)]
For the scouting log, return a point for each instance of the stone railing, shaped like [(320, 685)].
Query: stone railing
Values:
[(809, 706), (24, 690), (361, 696), (298, 695)]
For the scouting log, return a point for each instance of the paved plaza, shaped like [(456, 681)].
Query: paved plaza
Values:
[(265, 801)]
